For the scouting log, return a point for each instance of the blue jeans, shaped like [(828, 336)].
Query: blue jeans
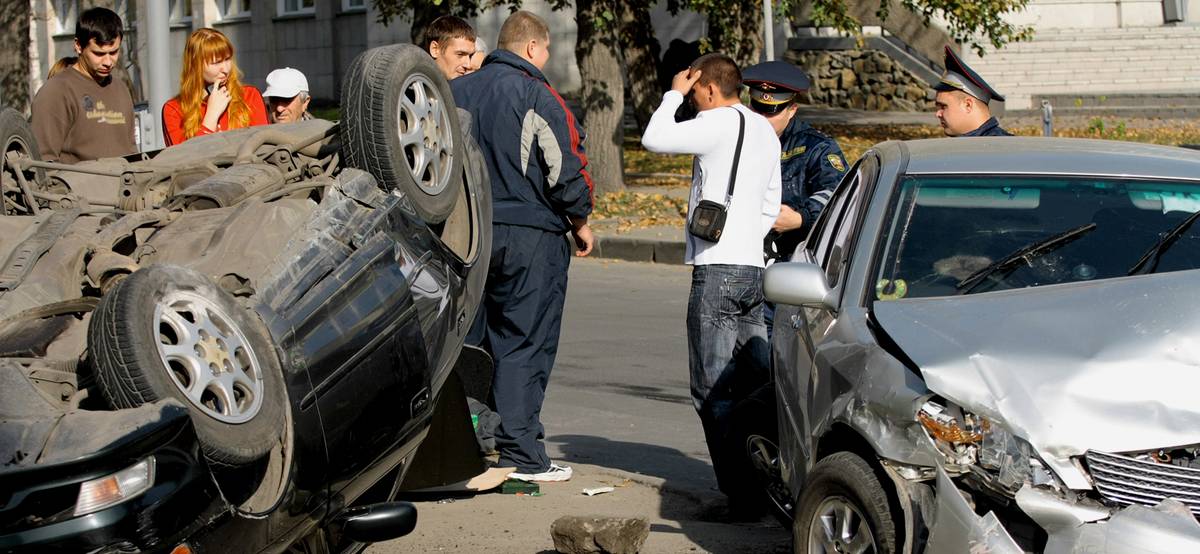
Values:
[(726, 340)]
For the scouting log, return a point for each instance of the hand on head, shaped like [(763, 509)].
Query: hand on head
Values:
[(683, 81)]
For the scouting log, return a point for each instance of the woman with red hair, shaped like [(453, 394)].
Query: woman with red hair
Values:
[(211, 96)]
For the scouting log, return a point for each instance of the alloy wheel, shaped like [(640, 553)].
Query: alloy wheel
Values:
[(839, 528), (208, 357), (423, 122)]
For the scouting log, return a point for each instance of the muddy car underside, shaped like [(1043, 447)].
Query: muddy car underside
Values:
[(252, 280)]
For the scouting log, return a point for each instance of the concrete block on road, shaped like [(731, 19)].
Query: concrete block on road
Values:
[(587, 534)]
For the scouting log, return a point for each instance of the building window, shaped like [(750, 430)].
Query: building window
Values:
[(67, 13), (234, 9), (354, 5), (297, 7), (181, 12)]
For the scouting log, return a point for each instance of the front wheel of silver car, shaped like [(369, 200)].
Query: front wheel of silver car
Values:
[(844, 510), (169, 332)]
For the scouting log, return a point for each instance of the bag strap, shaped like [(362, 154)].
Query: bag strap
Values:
[(737, 154)]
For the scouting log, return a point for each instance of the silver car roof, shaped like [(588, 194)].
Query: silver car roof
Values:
[(1038, 155)]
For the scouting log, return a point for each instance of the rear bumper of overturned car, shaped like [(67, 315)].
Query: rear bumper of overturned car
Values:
[(1070, 526), (37, 501)]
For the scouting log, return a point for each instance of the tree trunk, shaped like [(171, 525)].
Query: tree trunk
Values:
[(14, 55), (737, 32), (641, 59), (602, 95)]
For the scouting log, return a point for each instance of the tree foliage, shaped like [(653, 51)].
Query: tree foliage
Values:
[(974, 23), (971, 22), (411, 10)]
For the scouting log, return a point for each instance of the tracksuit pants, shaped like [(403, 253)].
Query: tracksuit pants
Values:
[(519, 325)]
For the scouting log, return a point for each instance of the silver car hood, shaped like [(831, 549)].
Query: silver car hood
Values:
[(1109, 365)]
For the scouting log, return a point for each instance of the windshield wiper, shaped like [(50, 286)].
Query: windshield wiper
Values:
[(1155, 252), (1025, 254)]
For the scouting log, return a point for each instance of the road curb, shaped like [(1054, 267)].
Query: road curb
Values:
[(639, 249)]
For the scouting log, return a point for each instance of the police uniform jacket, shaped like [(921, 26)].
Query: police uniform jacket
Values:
[(812, 165), (990, 128)]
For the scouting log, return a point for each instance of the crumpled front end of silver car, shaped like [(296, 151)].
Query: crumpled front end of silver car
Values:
[(1056, 421)]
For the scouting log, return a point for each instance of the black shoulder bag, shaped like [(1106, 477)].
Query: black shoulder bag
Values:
[(708, 219)]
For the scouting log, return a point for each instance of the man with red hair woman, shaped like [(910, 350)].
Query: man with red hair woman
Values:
[(211, 97)]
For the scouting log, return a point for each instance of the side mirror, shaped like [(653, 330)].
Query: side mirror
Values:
[(797, 284), (377, 522)]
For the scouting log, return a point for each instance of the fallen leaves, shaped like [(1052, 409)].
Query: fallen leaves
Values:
[(629, 210)]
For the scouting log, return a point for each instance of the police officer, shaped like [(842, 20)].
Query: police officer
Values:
[(962, 102), (812, 164)]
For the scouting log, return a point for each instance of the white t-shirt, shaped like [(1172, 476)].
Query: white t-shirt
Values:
[(712, 138)]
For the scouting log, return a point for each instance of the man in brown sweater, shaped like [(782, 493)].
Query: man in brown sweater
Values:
[(83, 113)]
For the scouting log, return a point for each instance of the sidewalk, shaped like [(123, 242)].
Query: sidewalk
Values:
[(660, 244)]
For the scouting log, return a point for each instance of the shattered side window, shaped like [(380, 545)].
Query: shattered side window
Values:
[(949, 235)]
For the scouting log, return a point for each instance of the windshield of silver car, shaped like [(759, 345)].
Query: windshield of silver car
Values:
[(948, 235)]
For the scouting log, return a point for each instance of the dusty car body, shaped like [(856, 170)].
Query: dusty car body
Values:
[(985, 346), (242, 341)]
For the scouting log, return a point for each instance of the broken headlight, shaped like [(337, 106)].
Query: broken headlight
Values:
[(974, 444)]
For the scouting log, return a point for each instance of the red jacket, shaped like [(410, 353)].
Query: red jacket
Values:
[(172, 116)]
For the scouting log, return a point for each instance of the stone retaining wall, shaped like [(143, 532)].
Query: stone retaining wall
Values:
[(862, 79)]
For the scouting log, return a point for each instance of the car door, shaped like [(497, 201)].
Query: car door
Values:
[(358, 335), (802, 340)]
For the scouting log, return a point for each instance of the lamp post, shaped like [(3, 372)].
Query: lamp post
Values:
[(768, 32)]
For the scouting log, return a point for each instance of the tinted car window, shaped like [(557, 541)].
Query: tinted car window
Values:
[(821, 236), (950, 234)]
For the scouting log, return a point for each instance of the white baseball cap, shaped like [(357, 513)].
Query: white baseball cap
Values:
[(285, 83)]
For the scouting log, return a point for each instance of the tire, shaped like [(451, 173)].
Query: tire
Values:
[(165, 329), (844, 486), (399, 124), (17, 135)]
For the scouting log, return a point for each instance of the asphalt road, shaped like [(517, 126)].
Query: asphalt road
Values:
[(617, 407), (619, 396)]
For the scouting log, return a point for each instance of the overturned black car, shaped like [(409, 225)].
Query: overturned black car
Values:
[(245, 342)]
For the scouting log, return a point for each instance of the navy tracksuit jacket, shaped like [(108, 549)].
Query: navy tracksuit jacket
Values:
[(534, 152)]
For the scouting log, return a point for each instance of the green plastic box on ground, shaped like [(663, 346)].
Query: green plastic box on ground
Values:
[(514, 486)]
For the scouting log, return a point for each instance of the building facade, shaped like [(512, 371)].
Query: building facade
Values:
[(318, 37)]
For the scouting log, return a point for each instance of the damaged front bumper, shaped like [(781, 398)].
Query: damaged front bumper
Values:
[(1071, 527), (40, 509)]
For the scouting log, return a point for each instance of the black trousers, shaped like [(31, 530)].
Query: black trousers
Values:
[(519, 326)]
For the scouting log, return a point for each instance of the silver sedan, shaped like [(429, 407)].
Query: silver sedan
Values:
[(992, 345)]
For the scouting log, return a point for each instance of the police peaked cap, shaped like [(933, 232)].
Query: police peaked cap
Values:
[(773, 85), (959, 76)]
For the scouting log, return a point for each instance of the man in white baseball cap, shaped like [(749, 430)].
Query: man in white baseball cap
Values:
[(287, 96)]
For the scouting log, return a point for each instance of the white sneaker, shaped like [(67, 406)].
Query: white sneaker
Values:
[(555, 473)]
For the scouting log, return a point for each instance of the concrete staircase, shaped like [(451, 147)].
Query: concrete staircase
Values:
[(1083, 69)]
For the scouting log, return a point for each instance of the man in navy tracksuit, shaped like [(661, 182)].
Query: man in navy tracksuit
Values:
[(540, 191)]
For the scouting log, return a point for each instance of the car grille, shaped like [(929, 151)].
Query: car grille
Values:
[(1127, 480)]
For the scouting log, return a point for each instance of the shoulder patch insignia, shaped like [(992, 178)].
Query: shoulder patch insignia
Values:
[(793, 152), (836, 162)]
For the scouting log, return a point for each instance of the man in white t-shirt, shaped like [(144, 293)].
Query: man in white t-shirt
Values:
[(725, 308)]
